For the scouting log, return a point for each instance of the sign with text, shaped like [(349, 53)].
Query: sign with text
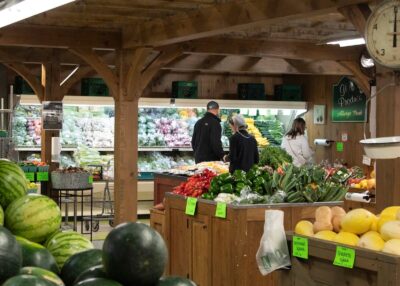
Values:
[(348, 102), (220, 210), (344, 257), (300, 247), (52, 115), (191, 204)]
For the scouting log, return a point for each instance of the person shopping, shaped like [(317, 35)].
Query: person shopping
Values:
[(207, 133), (243, 151), (296, 144)]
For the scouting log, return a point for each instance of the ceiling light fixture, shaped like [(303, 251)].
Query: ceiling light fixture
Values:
[(348, 42), (19, 10)]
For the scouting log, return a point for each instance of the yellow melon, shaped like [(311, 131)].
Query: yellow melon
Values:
[(304, 227), (347, 238), (374, 225), (384, 219), (325, 235), (390, 230), (392, 246), (398, 215), (357, 221), (371, 240), (390, 211)]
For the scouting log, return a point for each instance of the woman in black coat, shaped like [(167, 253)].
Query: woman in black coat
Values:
[(243, 151)]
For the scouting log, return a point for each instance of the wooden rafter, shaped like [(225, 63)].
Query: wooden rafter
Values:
[(224, 18), (76, 78), (358, 76), (358, 15)]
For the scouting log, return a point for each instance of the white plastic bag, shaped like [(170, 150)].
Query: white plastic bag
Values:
[(273, 252)]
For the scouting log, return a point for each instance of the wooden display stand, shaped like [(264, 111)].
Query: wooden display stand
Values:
[(218, 252), (164, 183), (371, 268), (157, 220)]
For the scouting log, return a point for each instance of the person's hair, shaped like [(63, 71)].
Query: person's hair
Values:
[(238, 121), (212, 105), (298, 128)]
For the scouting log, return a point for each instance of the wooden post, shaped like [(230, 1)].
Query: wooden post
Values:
[(388, 124)]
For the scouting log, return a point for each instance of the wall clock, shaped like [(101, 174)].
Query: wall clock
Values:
[(383, 34)]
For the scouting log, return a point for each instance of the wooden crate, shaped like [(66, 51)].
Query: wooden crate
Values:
[(220, 252), (157, 220), (371, 268), (164, 183)]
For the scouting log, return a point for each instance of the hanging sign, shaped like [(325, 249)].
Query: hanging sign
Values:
[(348, 102), (52, 115), (339, 146)]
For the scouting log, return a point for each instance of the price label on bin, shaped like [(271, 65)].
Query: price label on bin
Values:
[(220, 211), (30, 176), (191, 204), (344, 257), (90, 179), (42, 176), (300, 247)]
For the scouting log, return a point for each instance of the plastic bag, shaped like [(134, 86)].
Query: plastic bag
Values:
[(273, 252)]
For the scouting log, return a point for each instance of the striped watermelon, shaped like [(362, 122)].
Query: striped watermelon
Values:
[(1, 216), (13, 183), (34, 217), (64, 244)]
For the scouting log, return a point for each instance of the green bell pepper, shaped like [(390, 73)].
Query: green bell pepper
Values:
[(253, 173), (227, 188), (239, 175), (259, 182), (224, 179)]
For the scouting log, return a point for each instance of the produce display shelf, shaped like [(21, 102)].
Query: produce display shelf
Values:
[(371, 268)]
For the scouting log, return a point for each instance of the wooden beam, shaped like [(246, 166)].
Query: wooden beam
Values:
[(76, 78), (236, 64), (358, 15), (269, 48), (227, 17), (99, 66), (358, 76), (58, 37)]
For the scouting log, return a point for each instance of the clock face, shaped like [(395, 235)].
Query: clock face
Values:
[(383, 34)]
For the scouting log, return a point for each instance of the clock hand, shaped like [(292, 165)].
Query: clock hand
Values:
[(395, 28)]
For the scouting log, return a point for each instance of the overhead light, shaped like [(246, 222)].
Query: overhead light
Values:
[(348, 42), (22, 9)]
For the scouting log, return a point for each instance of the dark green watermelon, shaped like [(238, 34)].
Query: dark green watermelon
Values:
[(27, 280), (42, 273), (10, 255), (134, 254), (175, 281), (98, 282), (92, 272), (36, 255), (79, 263)]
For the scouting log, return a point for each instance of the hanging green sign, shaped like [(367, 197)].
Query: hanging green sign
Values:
[(42, 176), (220, 211), (30, 176), (191, 204), (344, 257), (348, 102), (300, 247)]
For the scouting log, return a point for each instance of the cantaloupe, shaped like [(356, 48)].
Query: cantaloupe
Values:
[(304, 227), (347, 238), (357, 221), (390, 230), (371, 240), (325, 235), (392, 246)]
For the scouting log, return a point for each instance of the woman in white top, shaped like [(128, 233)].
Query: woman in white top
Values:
[(296, 144)]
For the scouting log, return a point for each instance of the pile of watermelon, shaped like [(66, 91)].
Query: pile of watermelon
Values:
[(34, 252)]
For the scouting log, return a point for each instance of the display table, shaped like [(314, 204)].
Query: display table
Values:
[(71, 196), (371, 268), (218, 252), (164, 183)]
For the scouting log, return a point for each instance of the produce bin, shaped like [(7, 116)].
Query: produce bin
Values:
[(219, 252), (70, 180), (370, 268), (164, 183)]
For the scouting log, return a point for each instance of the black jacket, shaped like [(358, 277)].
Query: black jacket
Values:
[(243, 151), (206, 140)]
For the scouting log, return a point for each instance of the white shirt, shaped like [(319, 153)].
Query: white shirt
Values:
[(298, 149)]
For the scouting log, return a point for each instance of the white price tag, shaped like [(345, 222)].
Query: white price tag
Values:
[(367, 160)]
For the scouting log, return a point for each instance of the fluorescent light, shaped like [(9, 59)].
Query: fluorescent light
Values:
[(27, 8), (348, 42)]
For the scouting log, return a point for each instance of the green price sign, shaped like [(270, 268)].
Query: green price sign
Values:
[(42, 176), (191, 204), (339, 146), (220, 211), (30, 176), (300, 247), (90, 179), (344, 257)]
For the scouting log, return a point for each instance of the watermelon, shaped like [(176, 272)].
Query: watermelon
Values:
[(27, 280), (175, 281), (13, 183), (92, 272), (1, 216), (42, 273), (34, 254), (98, 282), (33, 217), (134, 254), (79, 263), (64, 244), (10, 255)]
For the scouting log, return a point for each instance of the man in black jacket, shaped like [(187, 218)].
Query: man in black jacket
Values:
[(206, 140)]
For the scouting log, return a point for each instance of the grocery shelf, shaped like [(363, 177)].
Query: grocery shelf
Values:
[(110, 149)]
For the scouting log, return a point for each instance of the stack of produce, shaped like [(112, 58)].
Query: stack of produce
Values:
[(253, 130), (157, 162), (34, 130), (272, 130), (196, 185), (365, 184), (274, 157), (217, 167), (358, 227), (175, 132), (85, 156)]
